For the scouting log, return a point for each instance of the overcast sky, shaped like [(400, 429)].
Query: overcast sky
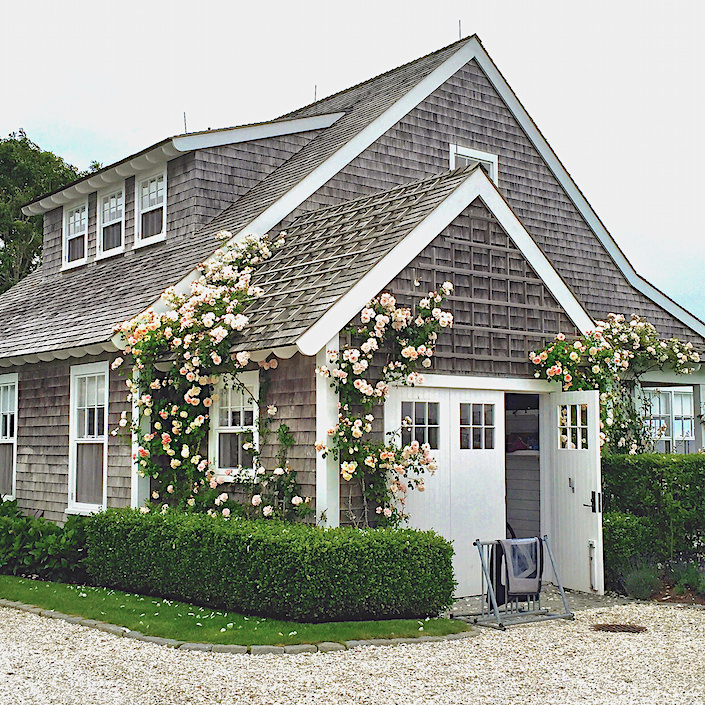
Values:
[(617, 87)]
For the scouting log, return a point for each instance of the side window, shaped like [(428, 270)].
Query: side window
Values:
[(477, 423), (75, 235), (111, 222), (151, 208), (669, 416), (88, 438), (420, 423), (8, 434), (233, 435)]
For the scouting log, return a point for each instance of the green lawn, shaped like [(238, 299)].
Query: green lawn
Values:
[(176, 620)]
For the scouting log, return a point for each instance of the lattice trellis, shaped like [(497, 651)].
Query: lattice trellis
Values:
[(501, 307)]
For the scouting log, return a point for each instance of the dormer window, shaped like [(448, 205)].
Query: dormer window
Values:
[(75, 235), (151, 209), (111, 222), (461, 157)]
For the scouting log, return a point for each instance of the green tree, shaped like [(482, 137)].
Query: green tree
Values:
[(26, 172)]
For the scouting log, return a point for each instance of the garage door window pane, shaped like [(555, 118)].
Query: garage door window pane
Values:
[(420, 422), (477, 426)]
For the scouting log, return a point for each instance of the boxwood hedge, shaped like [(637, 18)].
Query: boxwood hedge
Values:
[(269, 568)]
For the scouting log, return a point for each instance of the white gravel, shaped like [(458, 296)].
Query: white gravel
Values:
[(48, 661)]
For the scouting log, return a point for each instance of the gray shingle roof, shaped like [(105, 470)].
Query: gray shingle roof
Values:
[(80, 306), (327, 251)]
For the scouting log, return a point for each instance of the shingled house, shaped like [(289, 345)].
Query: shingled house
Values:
[(430, 172)]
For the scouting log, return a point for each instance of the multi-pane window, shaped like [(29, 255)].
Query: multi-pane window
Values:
[(111, 209), (670, 417), (89, 413), (234, 432), (151, 202), (573, 426), (420, 422), (75, 234), (8, 433), (477, 426)]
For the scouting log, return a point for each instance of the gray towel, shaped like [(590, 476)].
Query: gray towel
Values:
[(521, 557)]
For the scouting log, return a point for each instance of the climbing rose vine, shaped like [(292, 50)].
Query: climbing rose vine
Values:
[(612, 359), (392, 343), (177, 357)]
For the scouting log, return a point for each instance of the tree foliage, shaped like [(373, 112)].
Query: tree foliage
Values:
[(26, 172)]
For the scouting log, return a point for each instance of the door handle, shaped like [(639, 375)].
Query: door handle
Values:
[(595, 502)]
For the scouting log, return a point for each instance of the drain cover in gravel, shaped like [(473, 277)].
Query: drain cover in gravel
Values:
[(629, 628)]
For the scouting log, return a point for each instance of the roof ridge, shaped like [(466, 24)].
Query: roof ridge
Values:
[(378, 76)]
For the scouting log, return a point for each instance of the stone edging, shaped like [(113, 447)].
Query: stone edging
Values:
[(323, 647)]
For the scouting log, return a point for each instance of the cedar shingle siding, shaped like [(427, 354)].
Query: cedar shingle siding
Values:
[(292, 389), (43, 437), (501, 308)]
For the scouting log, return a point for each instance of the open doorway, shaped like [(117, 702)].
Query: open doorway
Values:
[(523, 487)]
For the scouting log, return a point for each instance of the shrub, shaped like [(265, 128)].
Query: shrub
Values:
[(270, 568), (31, 546), (666, 490), (642, 582), (629, 542)]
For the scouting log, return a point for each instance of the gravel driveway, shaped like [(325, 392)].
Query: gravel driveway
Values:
[(48, 661)]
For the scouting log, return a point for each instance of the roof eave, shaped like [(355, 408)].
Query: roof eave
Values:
[(158, 154)]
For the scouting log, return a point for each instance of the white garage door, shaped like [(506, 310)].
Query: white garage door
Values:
[(465, 499)]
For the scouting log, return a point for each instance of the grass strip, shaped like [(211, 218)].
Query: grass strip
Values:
[(176, 620)]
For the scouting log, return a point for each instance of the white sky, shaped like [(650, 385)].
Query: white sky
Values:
[(617, 87)]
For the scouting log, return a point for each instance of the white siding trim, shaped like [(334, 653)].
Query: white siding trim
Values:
[(476, 184), (576, 195), (13, 379), (92, 368), (500, 384), (327, 469), (493, 159), (251, 381), (247, 133)]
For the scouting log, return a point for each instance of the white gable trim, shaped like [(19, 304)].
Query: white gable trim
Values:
[(476, 184), (471, 49), (576, 195), (247, 133)]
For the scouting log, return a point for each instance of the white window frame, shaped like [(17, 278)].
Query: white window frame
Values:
[(100, 223), (139, 240), (491, 160), (65, 264), (11, 380), (78, 371), (670, 438), (251, 382)]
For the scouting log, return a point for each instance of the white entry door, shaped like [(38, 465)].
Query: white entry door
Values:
[(572, 436), (465, 499)]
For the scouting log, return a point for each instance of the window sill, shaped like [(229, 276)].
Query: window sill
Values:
[(110, 253), (85, 509), (149, 241), (72, 265)]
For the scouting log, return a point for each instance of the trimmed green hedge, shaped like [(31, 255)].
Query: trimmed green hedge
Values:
[(668, 491), (30, 546), (287, 571)]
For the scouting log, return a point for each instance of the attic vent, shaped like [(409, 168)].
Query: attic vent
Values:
[(461, 157)]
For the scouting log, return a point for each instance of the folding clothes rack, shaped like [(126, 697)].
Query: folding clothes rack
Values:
[(517, 608)]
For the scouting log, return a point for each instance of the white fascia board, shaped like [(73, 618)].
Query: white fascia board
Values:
[(476, 184), (576, 195), (293, 198), (247, 133)]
